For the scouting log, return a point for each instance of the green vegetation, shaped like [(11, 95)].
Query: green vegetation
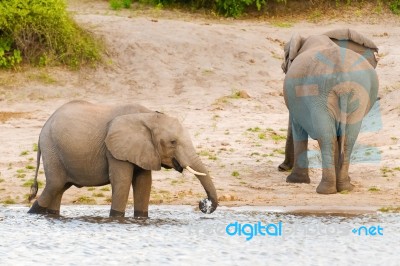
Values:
[(9, 201), (374, 189), (266, 134), (41, 32), (35, 147), (105, 189), (394, 6), (30, 167), (210, 155), (1, 180), (98, 195), (238, 8), (91, 189), (235, 173), (389, 209), (255, 129), (29, 183), (261, 135), (23, 153), (85, 200), (119, 4)]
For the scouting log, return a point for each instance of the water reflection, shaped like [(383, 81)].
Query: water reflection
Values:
[(173, 235)]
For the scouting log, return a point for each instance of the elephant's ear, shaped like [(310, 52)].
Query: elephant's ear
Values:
[(291, 50), (355, 41), (129, 139)]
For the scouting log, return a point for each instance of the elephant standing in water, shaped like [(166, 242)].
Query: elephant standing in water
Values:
[(330, 85), (85, 144)]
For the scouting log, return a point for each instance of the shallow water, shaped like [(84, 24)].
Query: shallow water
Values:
[(179, 235)]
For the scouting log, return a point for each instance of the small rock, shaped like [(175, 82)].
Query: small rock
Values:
[(243, 94)]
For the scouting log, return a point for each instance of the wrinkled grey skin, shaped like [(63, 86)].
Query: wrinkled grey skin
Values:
[(86, 144), (330, 85)]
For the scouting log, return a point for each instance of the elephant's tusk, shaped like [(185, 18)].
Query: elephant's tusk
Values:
[(194, 172)]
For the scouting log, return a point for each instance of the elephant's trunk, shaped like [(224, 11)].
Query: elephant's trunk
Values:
[(209, 204)]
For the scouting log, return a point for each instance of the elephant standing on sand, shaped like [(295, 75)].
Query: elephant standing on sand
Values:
[(330, 85), (85, 144)]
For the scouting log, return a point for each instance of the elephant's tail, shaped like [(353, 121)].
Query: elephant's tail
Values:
[(343, 99), (35, 185)]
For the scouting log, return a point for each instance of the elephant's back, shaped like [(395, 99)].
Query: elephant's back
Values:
[(328, 61), (76, 133)]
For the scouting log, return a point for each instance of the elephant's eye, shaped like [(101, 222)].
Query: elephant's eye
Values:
[(173, 142)]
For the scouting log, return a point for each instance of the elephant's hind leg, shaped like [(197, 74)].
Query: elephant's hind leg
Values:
[(343, 179), (328, 146), (300, 169), (54, 207), (289, 150)]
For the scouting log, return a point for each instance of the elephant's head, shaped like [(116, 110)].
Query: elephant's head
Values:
[(344, 38), (155, 140)]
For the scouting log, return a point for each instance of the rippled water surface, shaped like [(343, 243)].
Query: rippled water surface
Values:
[(179, 235)]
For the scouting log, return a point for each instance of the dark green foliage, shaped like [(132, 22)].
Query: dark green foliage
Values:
[(236, 8), (41, 32), (118, 4), (395, 6)]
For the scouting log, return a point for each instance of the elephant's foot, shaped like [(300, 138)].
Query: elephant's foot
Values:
[(326, 188), (298, 178), (343, 186), (141, 214), (36, 208), (114, 213), (53, 212), (285, 166)]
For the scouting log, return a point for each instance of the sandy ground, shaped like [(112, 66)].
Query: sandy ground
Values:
[(192, 68)]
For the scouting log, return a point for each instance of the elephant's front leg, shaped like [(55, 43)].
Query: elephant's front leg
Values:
[(121, 179), (289, 150), (300, 168), (141, 191)]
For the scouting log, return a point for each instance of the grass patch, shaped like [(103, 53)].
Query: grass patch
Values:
[(105, 189), (85, 200), (390, 209), (91, 189), (279, 151), (9, 201), (210, 155), (277, 137), (374, 189), (98, 195), (30, 167), (20, 175), (177, 181), (23, 153), (235, 173), (1, 180), (255, 129), (29, 183), (282, 24), (35, 147), (119, 4)]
